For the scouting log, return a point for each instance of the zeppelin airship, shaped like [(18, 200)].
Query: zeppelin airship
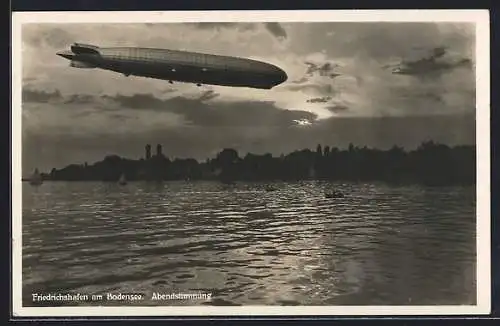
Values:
[(175, 65)]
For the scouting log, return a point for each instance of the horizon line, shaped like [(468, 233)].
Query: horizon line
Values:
[(242, 154)]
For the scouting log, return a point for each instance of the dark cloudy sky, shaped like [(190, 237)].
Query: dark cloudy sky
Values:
[(340, 90)]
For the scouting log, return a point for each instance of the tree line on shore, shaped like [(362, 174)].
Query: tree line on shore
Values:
[(431, 163)]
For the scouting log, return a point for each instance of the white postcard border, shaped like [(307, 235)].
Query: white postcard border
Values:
[(483, 271)]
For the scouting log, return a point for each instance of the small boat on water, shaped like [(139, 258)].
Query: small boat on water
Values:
[(36, 178), (122, 180), (334, 194), (270, 188)]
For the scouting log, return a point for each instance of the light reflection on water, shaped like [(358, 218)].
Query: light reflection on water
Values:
[(379, 245)]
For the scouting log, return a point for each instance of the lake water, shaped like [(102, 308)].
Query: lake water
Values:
[(380, 245)]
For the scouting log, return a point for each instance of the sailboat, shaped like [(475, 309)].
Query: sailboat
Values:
[(312, 173), (36, 178), (122, 181)]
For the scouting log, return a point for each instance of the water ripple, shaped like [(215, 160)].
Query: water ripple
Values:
[(292, 246)]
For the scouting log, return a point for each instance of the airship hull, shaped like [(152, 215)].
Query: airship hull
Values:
[(178, 66)]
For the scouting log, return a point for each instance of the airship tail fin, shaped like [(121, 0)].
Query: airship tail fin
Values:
[(80, 48)]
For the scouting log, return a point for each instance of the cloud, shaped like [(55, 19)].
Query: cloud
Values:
[(300, 81), (317, 78), (431, 94), (195, 111), (37, 36), (40, 96), (434, 64), (276, 29), (198, 112), (314, 88), (380, 41), (325, 69), (79, 99), (338, 108), (340, 60)]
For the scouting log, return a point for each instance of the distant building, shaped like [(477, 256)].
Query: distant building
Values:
[(148, 152), (158, 150)]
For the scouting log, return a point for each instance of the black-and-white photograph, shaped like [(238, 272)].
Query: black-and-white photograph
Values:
[(250, 163)]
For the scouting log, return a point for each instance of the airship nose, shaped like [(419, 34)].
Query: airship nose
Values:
[(66, 54), (279, 75), (282, 76)]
